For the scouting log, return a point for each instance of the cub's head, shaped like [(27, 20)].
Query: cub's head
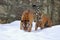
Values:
[(25, 24)]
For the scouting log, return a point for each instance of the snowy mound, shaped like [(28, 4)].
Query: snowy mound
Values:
[(12, 32)]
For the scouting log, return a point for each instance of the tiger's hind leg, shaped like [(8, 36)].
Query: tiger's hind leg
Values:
[(49, 23), (42, 25)]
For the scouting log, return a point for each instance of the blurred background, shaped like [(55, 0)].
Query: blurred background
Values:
[(11, 10)]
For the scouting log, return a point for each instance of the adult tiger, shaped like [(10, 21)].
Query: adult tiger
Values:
[(26, 20), (44, 22)]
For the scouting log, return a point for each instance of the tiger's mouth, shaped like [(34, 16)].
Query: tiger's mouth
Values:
[(25, 28), (25, 24)]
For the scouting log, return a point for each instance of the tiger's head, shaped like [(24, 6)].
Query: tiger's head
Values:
[(25, 24)]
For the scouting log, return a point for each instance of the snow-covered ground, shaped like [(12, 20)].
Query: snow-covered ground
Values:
[(12, 32)]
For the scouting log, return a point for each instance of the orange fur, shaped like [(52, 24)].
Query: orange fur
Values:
[(45, 20), (27, 18)]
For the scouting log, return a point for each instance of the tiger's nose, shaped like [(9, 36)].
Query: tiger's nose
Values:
[(25, 28)]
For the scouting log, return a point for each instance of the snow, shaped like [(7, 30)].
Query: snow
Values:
[(12, 31)]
